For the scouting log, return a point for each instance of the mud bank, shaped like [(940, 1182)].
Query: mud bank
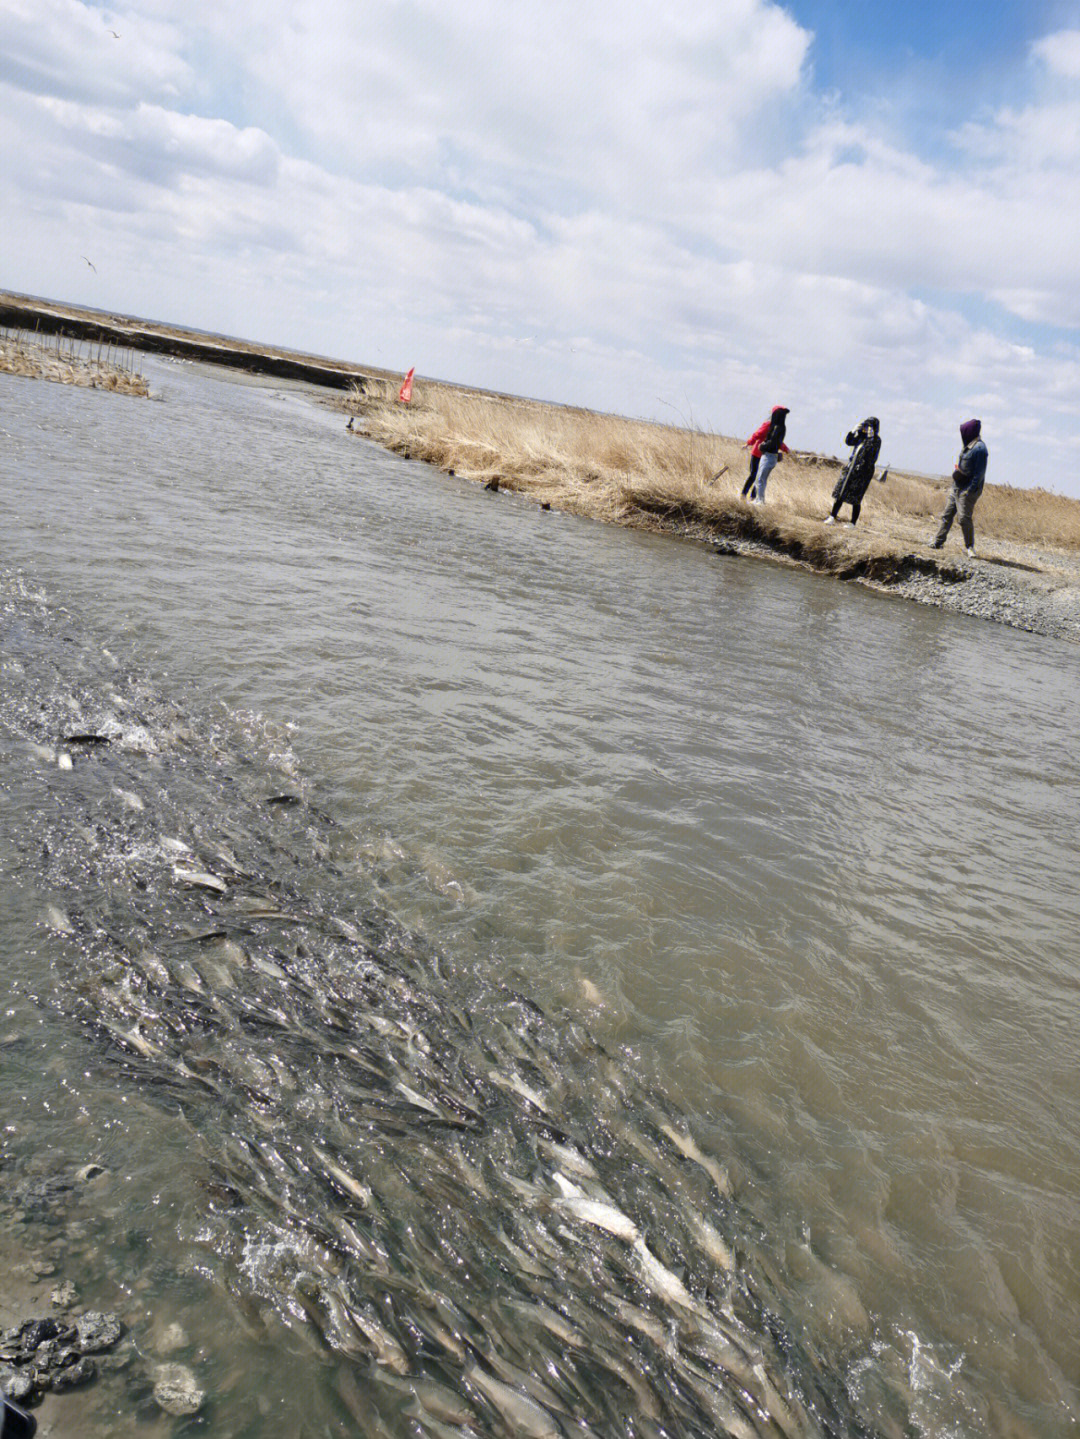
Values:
[(1029, 586)]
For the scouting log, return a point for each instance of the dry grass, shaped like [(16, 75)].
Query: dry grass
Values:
[(659, 476), (68, 363)]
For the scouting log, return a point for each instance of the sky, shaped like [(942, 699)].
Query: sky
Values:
[(686, 212)]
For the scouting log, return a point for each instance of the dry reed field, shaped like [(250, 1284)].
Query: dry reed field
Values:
[(69, 362), (662, 477)]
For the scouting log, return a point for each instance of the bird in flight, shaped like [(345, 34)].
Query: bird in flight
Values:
[(91, 264), (114, 34)]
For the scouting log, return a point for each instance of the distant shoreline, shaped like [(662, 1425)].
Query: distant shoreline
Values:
[(52, 317), (56, 317)]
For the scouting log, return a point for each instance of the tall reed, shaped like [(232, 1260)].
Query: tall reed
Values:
[(63, 360)]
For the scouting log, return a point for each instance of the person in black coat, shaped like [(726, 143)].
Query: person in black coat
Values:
[(859, 470)]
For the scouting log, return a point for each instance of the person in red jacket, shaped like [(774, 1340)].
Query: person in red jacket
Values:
[(766, 445)]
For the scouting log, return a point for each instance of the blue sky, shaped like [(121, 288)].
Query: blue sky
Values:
[(849, 32), (660, 210)]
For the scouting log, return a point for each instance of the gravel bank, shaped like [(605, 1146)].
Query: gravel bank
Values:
[(1032, 589), (1044, 601)]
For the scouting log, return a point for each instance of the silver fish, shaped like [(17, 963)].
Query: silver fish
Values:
[(416, 1099), (570, 1159), (686, 1146), (519, 1087), (712, 1243), (154, 969), (522, 1259), (645, 1324), (663, 1283), (345, 1181), (57, 920), (386, 1348), (603, 1216), (200, 879), (436, 1401), (521, 1413), (538, 1313)]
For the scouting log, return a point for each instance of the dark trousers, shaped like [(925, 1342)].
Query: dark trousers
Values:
[(751, 477), (856, 506), (961, 506)]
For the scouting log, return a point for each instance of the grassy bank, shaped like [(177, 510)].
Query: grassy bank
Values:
[(67, 362), (650, 476), (661, 477)]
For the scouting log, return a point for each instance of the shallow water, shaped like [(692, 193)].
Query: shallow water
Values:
[(636, 839)]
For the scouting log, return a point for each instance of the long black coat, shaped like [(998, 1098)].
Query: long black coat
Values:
[(859, 470)]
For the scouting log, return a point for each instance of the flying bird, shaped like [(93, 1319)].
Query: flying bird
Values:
[(91, 264), (114, 34)]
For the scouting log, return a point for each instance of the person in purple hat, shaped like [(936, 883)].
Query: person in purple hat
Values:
[(967, 482)]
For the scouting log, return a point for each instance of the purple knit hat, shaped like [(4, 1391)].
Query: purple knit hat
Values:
[(969, 430)]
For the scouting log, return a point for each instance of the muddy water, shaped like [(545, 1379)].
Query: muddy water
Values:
[(516, 976)]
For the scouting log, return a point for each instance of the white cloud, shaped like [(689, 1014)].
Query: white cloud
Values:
[(162, 145), (525, 102), (68, 49), (646, 210), (1060, 53)]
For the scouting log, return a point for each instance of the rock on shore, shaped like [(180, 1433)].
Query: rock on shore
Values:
[(47, 1354)]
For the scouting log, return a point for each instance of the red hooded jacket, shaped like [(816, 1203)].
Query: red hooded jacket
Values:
[(754, 442)]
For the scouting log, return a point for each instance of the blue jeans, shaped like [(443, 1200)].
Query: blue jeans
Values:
[(764, 470)]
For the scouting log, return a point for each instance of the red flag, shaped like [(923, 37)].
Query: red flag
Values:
[(405, 393)]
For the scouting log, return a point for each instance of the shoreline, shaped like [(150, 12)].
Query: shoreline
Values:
[(32, 359), (1028, 586), (980, 588), (1033, 588), (53, 317)]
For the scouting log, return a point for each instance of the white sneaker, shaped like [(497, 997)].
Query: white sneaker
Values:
[(829, 520), (849, 524), (971, 552)]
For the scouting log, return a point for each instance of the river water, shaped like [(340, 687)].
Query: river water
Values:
[(519, 976)]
